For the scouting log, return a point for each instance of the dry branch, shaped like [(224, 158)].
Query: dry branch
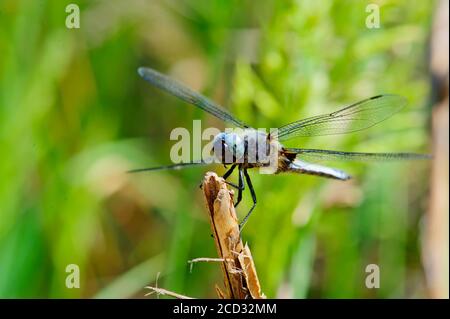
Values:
[(436, 240), (239, 272), (165, 292)]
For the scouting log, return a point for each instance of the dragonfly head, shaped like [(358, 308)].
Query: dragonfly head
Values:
[(228, 147)]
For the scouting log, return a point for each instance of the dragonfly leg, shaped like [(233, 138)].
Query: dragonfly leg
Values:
[(225, 176), (228, 173), (252, 192), (241, 186)]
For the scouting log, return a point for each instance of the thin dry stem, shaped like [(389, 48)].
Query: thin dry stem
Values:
[(238, 269), (165, 292)]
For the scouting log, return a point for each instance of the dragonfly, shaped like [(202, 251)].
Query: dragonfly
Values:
[(236, 149)]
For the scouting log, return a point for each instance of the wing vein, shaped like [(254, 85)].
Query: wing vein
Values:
[(184, 93), (356, 117)]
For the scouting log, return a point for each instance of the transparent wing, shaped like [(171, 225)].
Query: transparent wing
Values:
[(327, 155), (355, 117), (181, 91), (169, 167)]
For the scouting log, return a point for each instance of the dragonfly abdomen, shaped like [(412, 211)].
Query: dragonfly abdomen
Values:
[(298, 166)]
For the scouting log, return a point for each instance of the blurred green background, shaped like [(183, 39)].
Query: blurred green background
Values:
[(75, 115)]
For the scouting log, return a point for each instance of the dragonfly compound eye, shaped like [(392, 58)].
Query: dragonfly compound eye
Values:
[(228, 147)]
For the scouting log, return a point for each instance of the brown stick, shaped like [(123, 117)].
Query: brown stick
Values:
[(435, 241), (239, 272), (165, 292)]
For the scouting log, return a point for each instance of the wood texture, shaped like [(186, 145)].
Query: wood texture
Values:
[(238, 269)]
